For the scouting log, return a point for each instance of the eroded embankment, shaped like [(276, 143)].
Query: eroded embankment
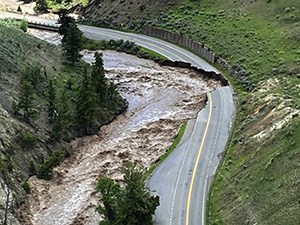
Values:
[(160, 99)]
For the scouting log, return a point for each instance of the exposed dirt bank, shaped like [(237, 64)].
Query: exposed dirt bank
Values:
[(160, 99)]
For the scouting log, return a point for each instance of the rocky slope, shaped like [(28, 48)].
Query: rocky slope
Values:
[(24, 145), (18, 50)]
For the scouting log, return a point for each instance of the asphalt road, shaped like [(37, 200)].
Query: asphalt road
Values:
[(182, 181), (166, 49)]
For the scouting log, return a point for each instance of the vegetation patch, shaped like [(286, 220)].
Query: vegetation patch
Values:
[(170, 149), (259, 48), (26, 186), (27, 138), (46, 168), (130, 204), (14, 23), (125, 14), (122, 46), (58, 5)]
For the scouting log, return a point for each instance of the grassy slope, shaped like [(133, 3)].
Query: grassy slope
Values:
[(18, 50), (55, 7), (128, 13), (258, 180)]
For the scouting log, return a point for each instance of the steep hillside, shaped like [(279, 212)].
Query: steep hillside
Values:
[(129, 13), (18, 50), (33, 146)]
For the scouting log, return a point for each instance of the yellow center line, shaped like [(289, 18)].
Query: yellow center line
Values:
[(197, 161)]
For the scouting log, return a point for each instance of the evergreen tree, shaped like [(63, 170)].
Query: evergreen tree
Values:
[(107, 92), (111, 195), (99, 65), (99, 80), (72, 43), (51, 101), (62, 118), (86, 104), (26, 96), (132, 205), (36, 78), (41, 6), (139, 205), (64, 20)]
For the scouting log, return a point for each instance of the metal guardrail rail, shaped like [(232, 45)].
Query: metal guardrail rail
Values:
[(43, 26)]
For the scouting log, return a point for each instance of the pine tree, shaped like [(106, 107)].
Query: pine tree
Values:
[(72, 43), (62, 118), (35, 76), (111, 195), (51, 101), (27, 96), (99, 65), (86, 104), (141, 204), (131, 205), (64, 20), (41, 6), (99, 80), (107, 92)]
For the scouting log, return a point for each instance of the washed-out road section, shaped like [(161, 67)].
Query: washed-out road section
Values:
[(183, 180)]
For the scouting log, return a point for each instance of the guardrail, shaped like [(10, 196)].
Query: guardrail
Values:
[(37, 25), (202, 51), (189, 43), (43, 26), (184, 41)]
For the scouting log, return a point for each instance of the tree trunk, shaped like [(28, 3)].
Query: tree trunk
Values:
[(7, 192)]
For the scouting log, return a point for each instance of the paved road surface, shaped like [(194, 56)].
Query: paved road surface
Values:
[(183, 180), (166, 49)]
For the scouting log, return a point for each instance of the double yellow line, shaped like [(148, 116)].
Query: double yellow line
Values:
[(197, 161)]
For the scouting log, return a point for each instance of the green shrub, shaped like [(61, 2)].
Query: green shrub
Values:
[(46, 168), (26, 186), (13, 147), (24, 25), (27, 138), (121, 46)]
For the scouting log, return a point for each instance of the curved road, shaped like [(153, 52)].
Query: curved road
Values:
[(182, 181)]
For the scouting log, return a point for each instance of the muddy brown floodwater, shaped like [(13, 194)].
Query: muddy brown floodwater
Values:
[(160, 99)]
